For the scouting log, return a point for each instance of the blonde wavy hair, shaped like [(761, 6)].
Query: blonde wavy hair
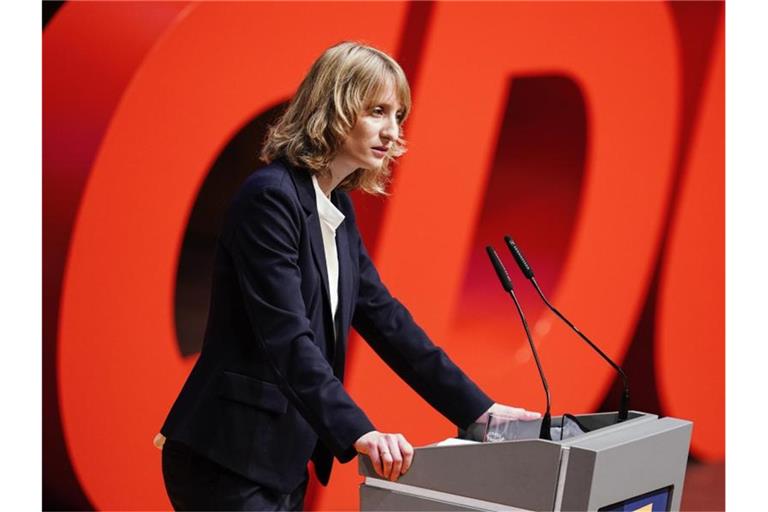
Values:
[(344, 81)]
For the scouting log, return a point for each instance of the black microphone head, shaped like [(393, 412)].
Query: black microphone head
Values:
[(624, 404), (525, 268), (501, 272), (546, 427)]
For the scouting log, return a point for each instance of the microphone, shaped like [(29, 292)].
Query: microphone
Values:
[(528, 273), (506, 283)]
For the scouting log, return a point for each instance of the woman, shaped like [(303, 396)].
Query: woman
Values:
[(291, 276)]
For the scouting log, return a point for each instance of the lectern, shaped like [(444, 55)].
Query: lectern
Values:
[(638, 464)]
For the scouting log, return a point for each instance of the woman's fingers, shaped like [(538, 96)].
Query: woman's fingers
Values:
[(523, 415), (517, 413), (397, 457), (373, 454), (390, 454), (386, 456), (368, 445), (407, 450)]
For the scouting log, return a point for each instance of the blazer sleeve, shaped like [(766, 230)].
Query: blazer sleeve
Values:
[(265, 247), (389, 329)]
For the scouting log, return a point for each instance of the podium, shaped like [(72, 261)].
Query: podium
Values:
[(638, 464)]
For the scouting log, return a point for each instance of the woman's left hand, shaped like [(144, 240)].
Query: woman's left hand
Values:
[(516, 413)]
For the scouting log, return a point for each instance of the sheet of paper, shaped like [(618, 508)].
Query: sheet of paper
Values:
[(453, 441)]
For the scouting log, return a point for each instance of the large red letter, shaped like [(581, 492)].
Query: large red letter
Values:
[(690, 329)]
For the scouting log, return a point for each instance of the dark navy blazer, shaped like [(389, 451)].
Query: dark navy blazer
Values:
[(266, 392)]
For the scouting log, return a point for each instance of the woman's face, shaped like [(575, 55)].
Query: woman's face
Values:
[(376, 130)]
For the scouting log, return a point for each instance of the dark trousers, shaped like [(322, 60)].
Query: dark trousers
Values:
[(194, 482)]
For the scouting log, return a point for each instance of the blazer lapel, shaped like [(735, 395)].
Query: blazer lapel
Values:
[(345, 294), (303, 181)]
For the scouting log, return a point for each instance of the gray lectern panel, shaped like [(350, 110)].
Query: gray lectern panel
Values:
[(518, 474), (634, 463), (627, 462), (382, 499), (579, 470)]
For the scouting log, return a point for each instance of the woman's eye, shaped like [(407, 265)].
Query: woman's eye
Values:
[(378, 111)]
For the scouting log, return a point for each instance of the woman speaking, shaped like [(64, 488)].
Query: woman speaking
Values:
[(291, 276)]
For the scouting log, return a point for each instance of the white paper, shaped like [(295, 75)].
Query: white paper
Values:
[(453, 441)]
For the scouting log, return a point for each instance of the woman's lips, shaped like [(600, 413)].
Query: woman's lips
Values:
[(379, 152)]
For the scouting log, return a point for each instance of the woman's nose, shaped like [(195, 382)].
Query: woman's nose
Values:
[(391, 129)]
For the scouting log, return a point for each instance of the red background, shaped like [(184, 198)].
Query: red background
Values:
[(593, 133)]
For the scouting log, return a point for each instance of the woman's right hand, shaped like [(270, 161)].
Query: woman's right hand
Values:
[(390, 454)]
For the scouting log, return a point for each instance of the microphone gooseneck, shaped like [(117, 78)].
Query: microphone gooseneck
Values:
[(525, 268), (506, 283)]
